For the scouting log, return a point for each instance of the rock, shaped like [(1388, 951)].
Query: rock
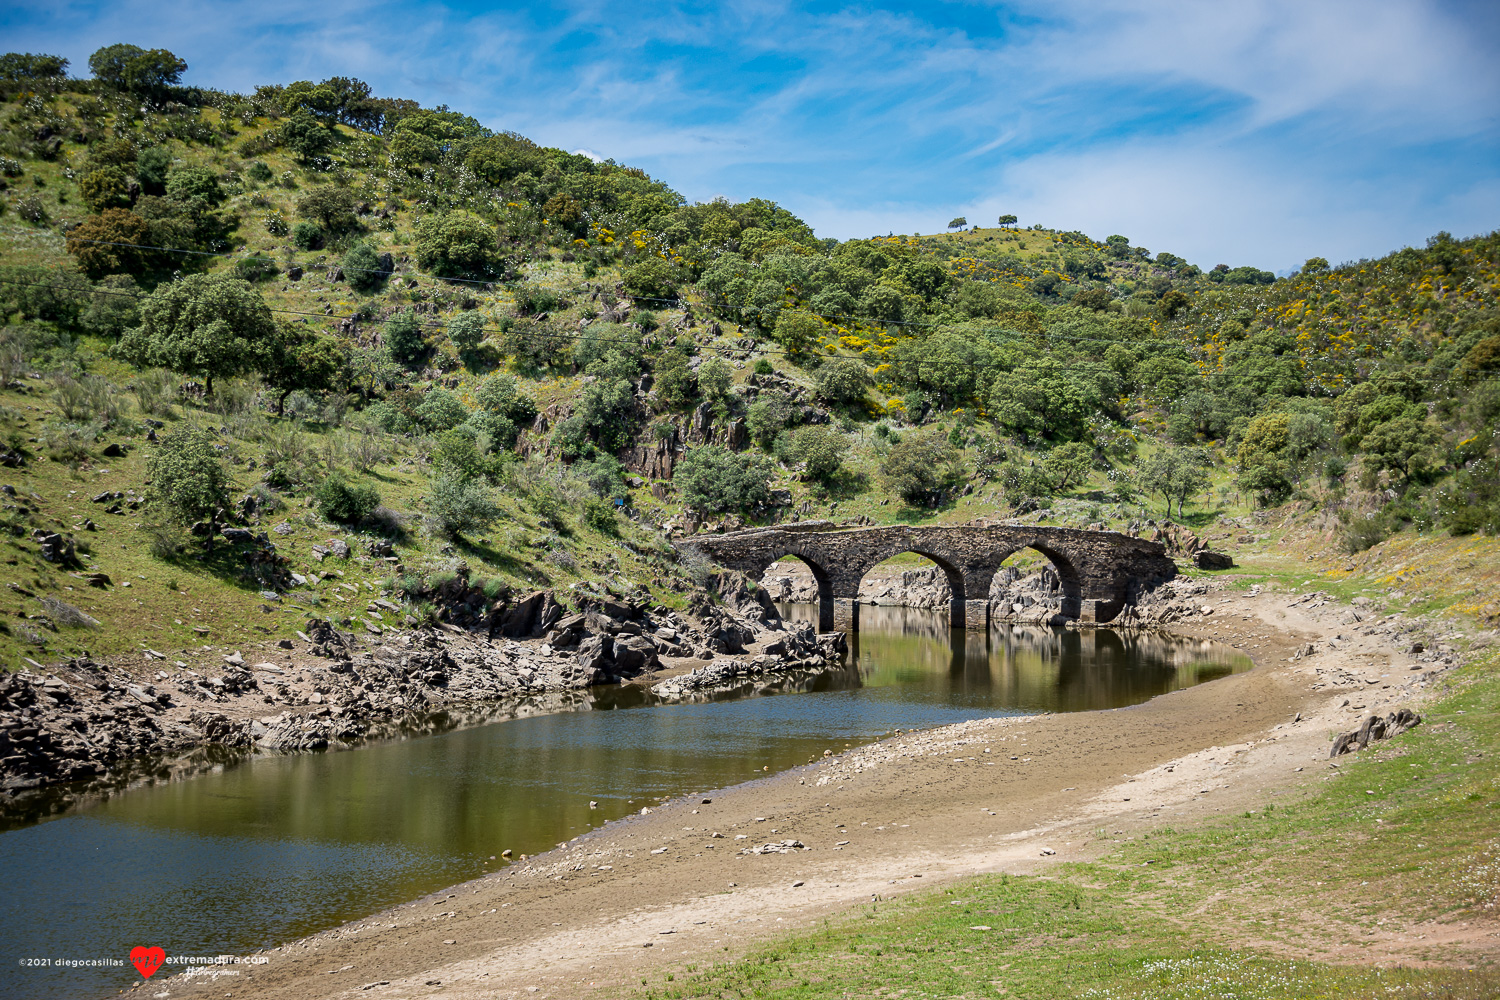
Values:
[(113, 450), (634, 655), (533, 615), (235, 659), (1375, 728), (596, 656), (338, 547), (238, 536), (100, 580), (1208, 559), (55, 548), (778, 847)]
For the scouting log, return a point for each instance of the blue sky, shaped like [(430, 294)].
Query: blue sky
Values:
[(1247, 132)]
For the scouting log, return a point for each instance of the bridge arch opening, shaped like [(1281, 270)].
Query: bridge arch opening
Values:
[(911, 579), (1035, 584), (796, 580)]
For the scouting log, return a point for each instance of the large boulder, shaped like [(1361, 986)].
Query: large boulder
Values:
[(1208, 559), (634, 655), (532, 615)]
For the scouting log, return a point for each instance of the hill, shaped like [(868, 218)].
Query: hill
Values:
[(320, 317)]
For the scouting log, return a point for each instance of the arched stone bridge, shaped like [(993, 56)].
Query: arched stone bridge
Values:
[(1096, 568)]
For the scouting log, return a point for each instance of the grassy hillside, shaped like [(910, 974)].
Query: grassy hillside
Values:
[(537, 361)]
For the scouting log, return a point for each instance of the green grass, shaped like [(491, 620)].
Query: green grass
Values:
[(1281, 901), (177, 605)]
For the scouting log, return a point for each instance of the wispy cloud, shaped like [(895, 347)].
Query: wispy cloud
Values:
[(1262, 131)]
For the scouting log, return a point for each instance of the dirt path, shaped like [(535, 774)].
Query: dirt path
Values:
[(1015, 794)]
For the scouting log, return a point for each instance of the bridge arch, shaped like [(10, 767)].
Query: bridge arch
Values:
[(998, 588), (847, 612), (1096, 569), (820, 577)]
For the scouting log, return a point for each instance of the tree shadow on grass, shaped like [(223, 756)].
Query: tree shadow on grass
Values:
[(845, 485), (907, 514), (487, 552), (1198, 519)]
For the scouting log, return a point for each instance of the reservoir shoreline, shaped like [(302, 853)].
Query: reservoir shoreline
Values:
[(1006, 794)]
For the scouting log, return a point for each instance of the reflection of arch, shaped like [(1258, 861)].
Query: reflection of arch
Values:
[(824, 582)]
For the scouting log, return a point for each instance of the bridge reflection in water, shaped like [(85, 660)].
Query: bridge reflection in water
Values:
[(1026, 668)]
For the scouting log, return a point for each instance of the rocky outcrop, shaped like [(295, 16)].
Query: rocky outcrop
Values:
[(1375, 728), (86, 721), (801, 650)]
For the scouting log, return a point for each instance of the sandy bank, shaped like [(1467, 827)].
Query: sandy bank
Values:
[(695, 878)]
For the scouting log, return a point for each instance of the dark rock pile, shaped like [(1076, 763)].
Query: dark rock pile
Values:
[(521, 655), (1375, 728), (800, 649)]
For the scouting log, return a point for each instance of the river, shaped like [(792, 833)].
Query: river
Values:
[(277, 847)]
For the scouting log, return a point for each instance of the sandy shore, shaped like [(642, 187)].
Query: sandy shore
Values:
[(700, 878)]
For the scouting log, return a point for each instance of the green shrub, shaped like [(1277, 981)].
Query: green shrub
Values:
[(403, 336), (651, 278), (603, 473), (188, 478), (307, 236), (1023, 479), (457, 506), (256, 268), (364, 269), (922, 467), (713, 478), (155, 391), (339, 500), (818, 447), (842, 381), (457, 245), (771, 413), (87, 399), (1362, 533), (441, 410), (599, 514)]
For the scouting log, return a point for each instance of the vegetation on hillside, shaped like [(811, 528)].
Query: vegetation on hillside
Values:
[(394, 320)]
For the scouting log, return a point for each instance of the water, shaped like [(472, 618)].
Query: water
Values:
[(278, 847)]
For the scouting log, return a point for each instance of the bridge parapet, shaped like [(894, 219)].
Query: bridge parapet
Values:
[(1096, 568)]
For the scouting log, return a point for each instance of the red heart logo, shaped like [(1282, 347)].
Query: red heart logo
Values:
[(147, 960)]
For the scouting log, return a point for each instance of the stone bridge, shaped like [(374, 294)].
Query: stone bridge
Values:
[(1096, 568)]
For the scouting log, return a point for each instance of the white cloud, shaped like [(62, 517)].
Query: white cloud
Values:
[(1255, 132)]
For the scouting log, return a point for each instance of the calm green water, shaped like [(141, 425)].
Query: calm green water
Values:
[(277, 847)]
